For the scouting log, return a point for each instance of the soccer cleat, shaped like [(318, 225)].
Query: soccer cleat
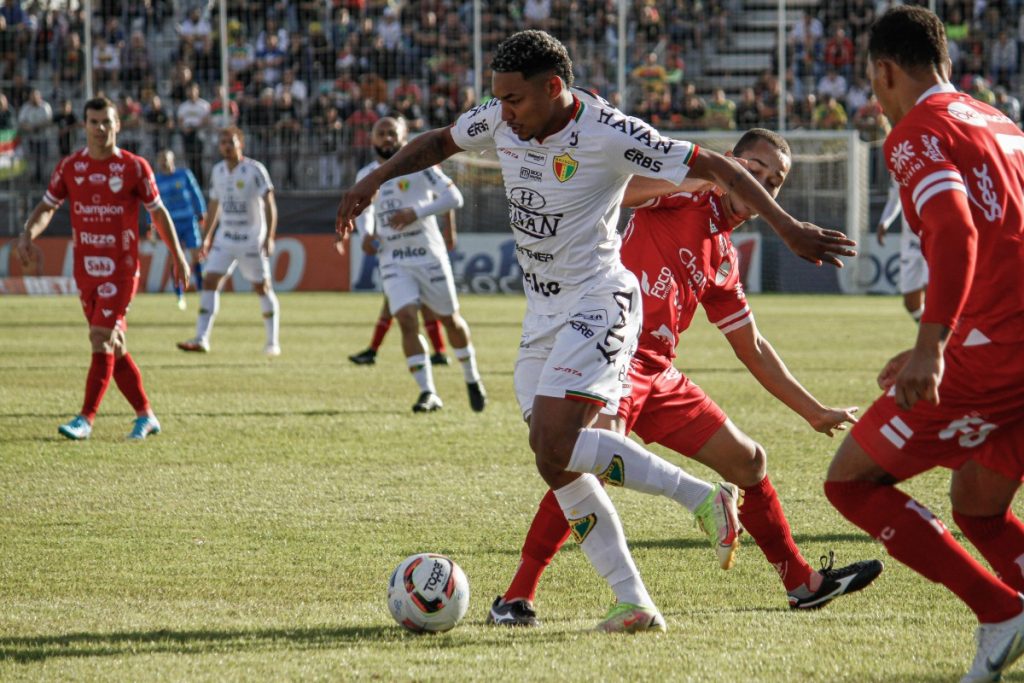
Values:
[(367, 357), (477, 396), (835, 582), (428, 402), (999, 646), (514, 613), (77, 429), (439, 359), (271, 350), (143, 427), (626, 618), (181, 303), (719, 519), (194, 346)]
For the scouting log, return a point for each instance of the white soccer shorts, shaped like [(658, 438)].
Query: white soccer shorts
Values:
[(226, 253), (583, 353), (913, 268), (432, 285)]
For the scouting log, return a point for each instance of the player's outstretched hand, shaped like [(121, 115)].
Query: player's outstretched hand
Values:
[(834, 420), (819, 245), (354, 202), (887, 377), (919, 379)]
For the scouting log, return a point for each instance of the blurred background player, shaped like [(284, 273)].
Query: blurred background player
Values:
[(105, 185), (184, 201), (956, 399), (414, 265), (241, 190), (663, 406), (913, 267)]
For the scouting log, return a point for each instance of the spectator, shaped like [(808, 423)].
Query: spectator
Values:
[(693, 109), (649, 24), (832, 84), (980, 90), (829, 114), (408, 109), (537, 14), (70, 71), (330, 134), (870, 122), (223, 115), (67, 127), (406, 88), (359, 124), (195, 35), (1003, 60), (259, 120), (181, 80), (130, 113), (298, 90), (193, 120), (802, 112), (241, 58), (805, 43), (106, 62), (158, 124), (748, 111), (288, 130), (135, 62), (1008, 104), (720, 113), (8, 49), (651, 76), (7, 118), (271, 60), (272, 28), (441, 113), (858, 94), (839, 53), (34, 119), (321, 53)]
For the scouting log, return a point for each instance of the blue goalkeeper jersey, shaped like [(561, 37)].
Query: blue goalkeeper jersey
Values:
[(183, 199)]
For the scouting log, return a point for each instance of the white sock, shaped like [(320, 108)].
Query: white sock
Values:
[(595, 526), (623, 462), (467, 358), (419, 366), (916, 315), (209, 302), (271, 310)]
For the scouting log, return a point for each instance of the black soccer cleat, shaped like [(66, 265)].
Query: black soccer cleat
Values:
[(515, 613), (835, 582), (439, 359), (477, 396), (367, 357), (428, 402)]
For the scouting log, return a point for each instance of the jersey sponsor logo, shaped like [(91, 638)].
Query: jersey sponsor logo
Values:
[(116, 182), (97, 178), (569, 371), (97, 240), (98, 266), (106, 290), (524, 213), (582, 328), (100, 211), (535, 255), (234, 206), (117, 168), (901, 155), (540, 287), (697, 278), (598, 316), (476, 128), (722, 274), (408, 252), (127, 237), (970, 431), (965, 113), (107, 312), (642, 160), (79, 180), (509, 153), (714, 228), (636, 129), (530, 174), (81, 166), (989, 203), (931, 148), (536, 157), (483, 107), (614, 341), (391, 204), (564, 166), (660, 288)]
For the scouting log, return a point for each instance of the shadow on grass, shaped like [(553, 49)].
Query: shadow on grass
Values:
[(804, 541)]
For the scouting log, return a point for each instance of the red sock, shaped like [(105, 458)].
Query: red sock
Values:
[(96, 383), (919, 540), (381, 329), (129, 381), (548, 532), (433, 328), (762, 517), (1000, 539)]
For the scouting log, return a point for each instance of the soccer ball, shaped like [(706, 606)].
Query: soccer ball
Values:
[(428, 592)]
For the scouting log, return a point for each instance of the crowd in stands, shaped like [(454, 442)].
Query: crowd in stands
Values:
[(308, 79)]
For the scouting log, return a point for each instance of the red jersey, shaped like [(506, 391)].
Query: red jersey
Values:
[(679, 248), (952, 143), (104, 198)]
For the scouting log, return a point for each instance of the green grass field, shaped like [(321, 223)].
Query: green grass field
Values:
[(253, 539)]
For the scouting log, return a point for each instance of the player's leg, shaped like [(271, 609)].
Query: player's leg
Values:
[(913, 273), (380, 329), (432, 326), (129, 380), (914, 303), (458, 333), (271, 310), (414, 346), (219, 264)]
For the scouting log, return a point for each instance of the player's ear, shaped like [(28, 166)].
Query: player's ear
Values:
[(554, 86)]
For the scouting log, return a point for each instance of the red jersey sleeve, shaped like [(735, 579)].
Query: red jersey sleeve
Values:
[(57, 189), (146, 189), (726, 304)]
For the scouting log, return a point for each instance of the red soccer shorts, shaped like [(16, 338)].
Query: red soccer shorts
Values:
[(105, 304), (664, 403), (980, 417)]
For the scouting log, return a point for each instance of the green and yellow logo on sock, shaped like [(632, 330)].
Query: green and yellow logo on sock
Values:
[(615, 473), (582, 526)]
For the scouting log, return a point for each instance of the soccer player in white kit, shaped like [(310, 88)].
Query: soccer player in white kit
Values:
[(913, 267), (414, 266), (242, 204), (566, 157)]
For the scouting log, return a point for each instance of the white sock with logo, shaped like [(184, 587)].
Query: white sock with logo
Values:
[(209, 302), (419, 366), (467, 359), (271, 310), (596, 527), (623, 462)]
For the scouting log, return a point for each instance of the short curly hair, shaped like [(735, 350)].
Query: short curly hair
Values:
[(912, 37), (533, 52)]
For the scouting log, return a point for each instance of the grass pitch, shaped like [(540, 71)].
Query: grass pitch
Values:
[(253, 539)]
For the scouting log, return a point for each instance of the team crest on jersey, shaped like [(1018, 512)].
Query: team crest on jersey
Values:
[(116, 182), (564, 167), (403, 185), (240, 183), (81, 166)]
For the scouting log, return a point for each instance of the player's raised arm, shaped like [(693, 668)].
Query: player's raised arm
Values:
[(806, 240), (426, 150)]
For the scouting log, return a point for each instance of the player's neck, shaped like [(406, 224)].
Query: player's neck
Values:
[(560, 119), (911, 92), (233, 163), (101, 153)]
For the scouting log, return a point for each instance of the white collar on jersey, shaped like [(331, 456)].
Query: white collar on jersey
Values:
[(945, 86)]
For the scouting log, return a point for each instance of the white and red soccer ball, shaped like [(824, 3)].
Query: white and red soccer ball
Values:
[(428, 592)]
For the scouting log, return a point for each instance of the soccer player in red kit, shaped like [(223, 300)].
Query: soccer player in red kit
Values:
[(104, 186), (679, 246), (956, 399)]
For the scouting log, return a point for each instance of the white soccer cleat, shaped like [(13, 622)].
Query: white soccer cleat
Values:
[(195, 346), (999, 646), (271, 350)]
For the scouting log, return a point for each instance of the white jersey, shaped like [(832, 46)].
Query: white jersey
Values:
[(240, 193), (564, 192), (420, 242)]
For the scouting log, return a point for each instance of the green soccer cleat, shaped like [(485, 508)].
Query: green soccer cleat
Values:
[(626, 618)]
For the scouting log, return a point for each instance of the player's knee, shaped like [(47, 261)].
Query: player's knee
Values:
[(551, 444), (754, 468), (406, 317)]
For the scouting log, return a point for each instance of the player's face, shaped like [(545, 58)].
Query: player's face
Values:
[(165, 163), (101, 127), (876, 70), (527, 105), (230, 146), (769, 166), (387, 138)]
